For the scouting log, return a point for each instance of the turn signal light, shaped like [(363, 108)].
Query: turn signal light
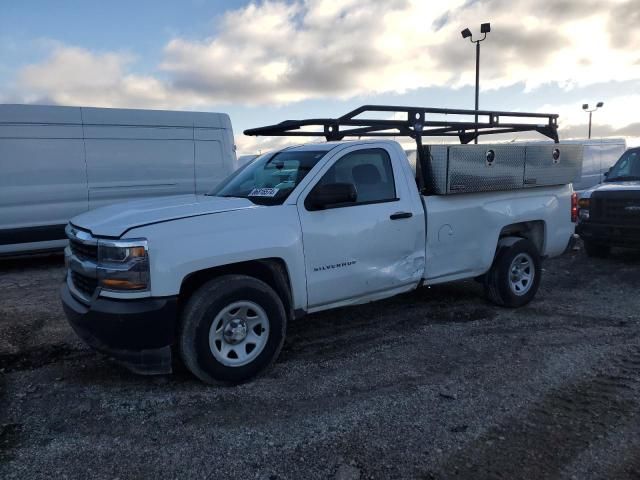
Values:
[(583, 203), (118, 284)]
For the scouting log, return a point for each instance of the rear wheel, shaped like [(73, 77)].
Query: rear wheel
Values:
[(597, 250), (514, 277), (232, 328)]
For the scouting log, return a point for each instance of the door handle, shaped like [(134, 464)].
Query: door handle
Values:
[(400, 215)]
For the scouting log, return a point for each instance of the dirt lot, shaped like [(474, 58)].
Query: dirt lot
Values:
[(433, 384)]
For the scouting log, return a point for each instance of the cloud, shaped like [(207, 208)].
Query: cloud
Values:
[(280, 52), (76, 76), (624, 19), (277, 52), (568, 43), (620, 112)]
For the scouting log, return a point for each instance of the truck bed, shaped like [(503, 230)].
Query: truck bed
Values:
[(463, 229)]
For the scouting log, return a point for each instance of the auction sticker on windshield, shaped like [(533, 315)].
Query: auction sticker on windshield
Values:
[(263, 192)]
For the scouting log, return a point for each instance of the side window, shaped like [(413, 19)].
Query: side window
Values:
[(370, 171), (624, 167), (634, 165)]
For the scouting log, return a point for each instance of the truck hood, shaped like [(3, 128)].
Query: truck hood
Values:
[(115, 220), (631, 185)]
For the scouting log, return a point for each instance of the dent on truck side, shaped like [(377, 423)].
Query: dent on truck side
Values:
[(179, 248)]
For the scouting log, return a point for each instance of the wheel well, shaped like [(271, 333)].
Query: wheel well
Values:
[(533, 231), (272, 271)]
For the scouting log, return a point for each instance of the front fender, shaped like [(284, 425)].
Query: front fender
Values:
[(180, 247)]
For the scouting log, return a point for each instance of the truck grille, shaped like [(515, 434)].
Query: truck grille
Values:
[(85, 285), (83, 250), (616, 208)]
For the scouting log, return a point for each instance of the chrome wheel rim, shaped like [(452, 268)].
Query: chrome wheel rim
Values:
[(239, 333), (521, 274)]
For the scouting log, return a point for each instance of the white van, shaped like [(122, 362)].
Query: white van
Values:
[(598, 156), (57, 162)]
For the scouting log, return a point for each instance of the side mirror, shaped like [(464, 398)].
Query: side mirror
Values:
[(330, 194)]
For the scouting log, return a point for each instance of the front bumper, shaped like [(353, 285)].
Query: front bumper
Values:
[(136, 333), (612, 235)]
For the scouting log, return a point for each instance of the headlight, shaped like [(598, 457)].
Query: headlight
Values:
[(123, 265)]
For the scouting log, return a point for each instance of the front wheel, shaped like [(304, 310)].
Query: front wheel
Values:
[(514, 277), (232, 328)]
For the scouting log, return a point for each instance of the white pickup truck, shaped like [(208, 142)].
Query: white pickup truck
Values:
[(296, 231)]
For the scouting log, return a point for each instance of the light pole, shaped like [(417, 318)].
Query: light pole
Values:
[(585, 107), (466, 33)]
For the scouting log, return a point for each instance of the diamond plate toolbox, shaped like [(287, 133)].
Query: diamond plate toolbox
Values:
[(485, 168), (555, 164), (450, 169)]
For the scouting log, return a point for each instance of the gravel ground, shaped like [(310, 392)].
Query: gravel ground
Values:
[(432, 384)]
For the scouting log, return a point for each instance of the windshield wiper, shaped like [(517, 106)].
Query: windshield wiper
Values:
[(223, 196)]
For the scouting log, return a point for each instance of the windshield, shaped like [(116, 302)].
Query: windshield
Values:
[(627, 168), (270, 178)]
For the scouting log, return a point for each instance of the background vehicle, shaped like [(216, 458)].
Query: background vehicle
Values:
[(57, 162), (315, 227), (609, 213), (598, 155), (597, 158), (244, 159)]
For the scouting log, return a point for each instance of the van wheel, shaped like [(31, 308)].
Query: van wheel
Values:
[(514, 277), (232, 328), (596, 249)]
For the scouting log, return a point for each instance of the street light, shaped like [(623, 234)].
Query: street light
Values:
[(466, 33), (585, 107)]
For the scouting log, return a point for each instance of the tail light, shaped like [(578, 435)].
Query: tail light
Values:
[(574, 207)]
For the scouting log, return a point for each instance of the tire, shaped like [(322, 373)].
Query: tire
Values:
[(514, 277), (596, 250), (219, 353)]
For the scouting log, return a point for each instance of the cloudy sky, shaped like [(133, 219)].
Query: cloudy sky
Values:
[(265, 61)]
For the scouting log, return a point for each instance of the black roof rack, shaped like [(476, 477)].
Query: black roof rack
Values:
[(415, 125)]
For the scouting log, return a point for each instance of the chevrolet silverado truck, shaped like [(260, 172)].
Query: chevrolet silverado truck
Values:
[(609, 213), (214, 279)]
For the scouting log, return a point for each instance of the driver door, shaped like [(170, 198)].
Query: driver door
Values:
[(367, 247)]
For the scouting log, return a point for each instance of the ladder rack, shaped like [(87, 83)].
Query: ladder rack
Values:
[(417, 124)]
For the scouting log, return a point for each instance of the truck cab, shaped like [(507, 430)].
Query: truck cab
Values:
[(609, 213)]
